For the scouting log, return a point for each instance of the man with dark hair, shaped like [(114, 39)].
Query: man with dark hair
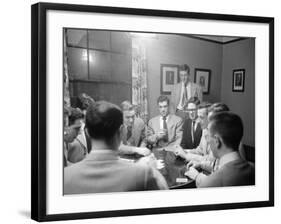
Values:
[(165, 129), (75, 117), (221, 107), (202, 152), (133, 132), (81, 145), (102, 170), (192, 131), (183, 91), (225, 134)]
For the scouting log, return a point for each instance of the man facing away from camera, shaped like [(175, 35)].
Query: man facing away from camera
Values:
[(225, 131), (102, 170)]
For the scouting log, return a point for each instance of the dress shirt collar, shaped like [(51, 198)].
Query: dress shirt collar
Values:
[(227, 158), (167, 118), (103, 154), (183, 85), (161, 120)]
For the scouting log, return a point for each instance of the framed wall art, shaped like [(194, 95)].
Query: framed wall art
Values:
[(169, 77), (203, 79), (238, 80), (85, 55)]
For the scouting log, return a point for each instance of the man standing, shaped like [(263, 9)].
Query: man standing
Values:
[(102, 170), (133, 132), (164, 130), (183, 91), (191, 129), (224, 137)]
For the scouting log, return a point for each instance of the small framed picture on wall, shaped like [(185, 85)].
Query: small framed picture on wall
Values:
[(169, 77), (238, 80), (203, 78)]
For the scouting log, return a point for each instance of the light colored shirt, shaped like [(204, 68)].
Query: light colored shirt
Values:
[(161, 121), (188, 90), (227, 158)]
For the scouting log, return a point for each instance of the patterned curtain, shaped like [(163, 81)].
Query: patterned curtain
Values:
[(139, 78), (66, 96)]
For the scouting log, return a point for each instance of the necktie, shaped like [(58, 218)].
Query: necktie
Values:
[(192, 130), (165, 128), (184, 97), (129, 133)]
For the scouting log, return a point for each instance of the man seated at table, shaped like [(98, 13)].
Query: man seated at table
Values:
[(80, 147), (102, 170), (225, 131), (191, 129), (164, 130), (133, 132), (71, 131), (202, 151)]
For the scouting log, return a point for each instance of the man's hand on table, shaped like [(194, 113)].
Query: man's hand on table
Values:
[(191, 173), (178, 151), (194, 163), (150, 160)]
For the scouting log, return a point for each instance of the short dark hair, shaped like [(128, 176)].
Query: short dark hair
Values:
[(184, 67), (74, 114), (218, 107), (84, 100), (229, 127), (103, 119), (163, 98)]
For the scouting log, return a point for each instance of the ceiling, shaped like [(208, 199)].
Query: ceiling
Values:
[(215, 39)]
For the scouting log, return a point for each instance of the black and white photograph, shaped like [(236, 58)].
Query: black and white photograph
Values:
[(169, 77), (203, 79), (238, 80), (123, 132), (135, 112)]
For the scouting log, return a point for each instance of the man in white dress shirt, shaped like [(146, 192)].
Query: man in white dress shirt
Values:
[(183, 91)]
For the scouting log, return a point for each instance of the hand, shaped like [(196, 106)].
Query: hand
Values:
[(195, 164), (178, 151), (148, 160), (161, 134), (191, 173), (160, 164), (143, 151)]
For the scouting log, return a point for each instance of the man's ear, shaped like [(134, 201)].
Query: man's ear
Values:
[(119, 131), (218, 141)]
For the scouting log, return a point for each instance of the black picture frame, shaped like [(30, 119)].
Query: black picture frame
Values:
[(169, 76), (238, 80), (205, 75), (39, 110)]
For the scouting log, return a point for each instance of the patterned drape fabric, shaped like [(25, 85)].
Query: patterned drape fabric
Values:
[(139, 79), (66, 96)]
